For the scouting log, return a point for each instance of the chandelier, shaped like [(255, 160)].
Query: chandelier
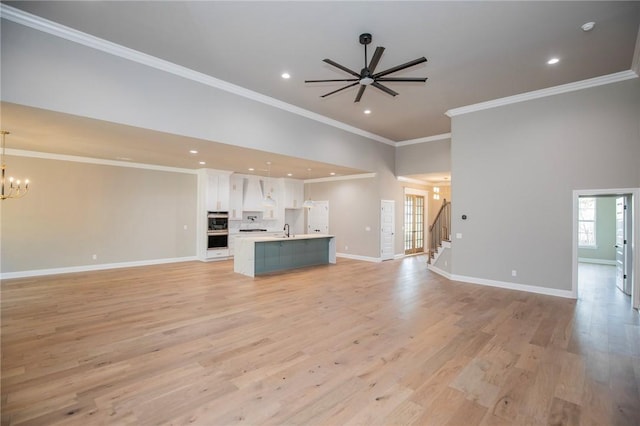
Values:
[(15, 188)]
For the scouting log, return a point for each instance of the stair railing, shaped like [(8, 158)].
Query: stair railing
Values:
[(440, 230)]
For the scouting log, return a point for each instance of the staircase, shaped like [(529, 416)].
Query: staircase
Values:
[(440, 231)]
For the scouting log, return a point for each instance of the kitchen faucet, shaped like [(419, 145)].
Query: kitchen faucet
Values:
[(286, 228)]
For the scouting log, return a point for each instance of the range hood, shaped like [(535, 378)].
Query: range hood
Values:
[(252, 195)]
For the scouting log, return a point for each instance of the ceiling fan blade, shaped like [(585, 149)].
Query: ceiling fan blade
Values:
[(325, 81), (343, 68), (342, 88), (384, 88), (376, 58), (360, 92), (400, 67), (418, 79)]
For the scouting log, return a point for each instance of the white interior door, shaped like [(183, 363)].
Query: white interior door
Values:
[(387, 228), (622, 282), (318, 218)]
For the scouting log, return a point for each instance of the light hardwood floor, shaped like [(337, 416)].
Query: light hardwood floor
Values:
[(354, 343)]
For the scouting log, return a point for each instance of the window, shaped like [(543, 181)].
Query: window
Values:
[(587, 222)]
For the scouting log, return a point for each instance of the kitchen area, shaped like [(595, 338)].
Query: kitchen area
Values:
[(239, 214)]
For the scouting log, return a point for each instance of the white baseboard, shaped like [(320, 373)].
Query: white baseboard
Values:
[(357, 257), (439, 271), (398, 256), (503, 284), (514, 286), (597, 261), (86, 268)]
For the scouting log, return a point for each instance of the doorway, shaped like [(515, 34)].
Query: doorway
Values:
[(616, 250), (414, 223)]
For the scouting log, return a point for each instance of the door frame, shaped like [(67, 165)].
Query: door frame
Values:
[(634, 245)]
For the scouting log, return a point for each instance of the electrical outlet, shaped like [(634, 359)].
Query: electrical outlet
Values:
[(94, 257), (346, 248), (459, 235), (514, 273), (446, 263)]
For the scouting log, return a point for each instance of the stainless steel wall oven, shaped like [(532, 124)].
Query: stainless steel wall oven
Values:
[(218, 230)]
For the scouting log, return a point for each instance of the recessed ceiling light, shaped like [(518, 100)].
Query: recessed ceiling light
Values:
[(367, 111), (286, 75), (202, 162), (332, 173), (251, 169), (193, 151), (553, 61), (289, 174), (588, 26)]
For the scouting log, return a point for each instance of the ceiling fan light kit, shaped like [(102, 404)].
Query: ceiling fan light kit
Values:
[(367, 77)]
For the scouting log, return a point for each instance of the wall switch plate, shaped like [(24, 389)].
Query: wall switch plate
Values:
[(94, 257), (459, 235), (185, 227), (514, 273), (368, 228)]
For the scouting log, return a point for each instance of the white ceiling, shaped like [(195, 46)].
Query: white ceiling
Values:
[(477, 51)]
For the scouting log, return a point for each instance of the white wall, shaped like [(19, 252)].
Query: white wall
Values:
[(514, 169)]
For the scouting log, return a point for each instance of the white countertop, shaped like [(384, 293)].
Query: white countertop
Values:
[(264, 238)]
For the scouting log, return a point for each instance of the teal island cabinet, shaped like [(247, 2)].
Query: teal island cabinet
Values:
[(259, 255)]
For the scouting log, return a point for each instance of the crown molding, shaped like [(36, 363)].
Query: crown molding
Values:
[(337, 178), (103, 162), (44, 25), (570, 87), (425, 139)]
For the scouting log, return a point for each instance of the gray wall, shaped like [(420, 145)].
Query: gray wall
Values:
[(74, 210), (426, 157), (515, 168), (605, 232)]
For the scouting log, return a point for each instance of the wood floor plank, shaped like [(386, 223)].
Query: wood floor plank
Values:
[(352, 343)]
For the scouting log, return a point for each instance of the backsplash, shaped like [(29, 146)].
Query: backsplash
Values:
[(250, 220)]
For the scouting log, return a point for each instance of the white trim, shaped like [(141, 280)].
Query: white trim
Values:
[(425, 139), (358, 257), (400, 256), (87, 268), (514, 286), (335, 178), (635, 237), (570, 87), (40, 24), (89, 160), (596, 261), (439, 271)]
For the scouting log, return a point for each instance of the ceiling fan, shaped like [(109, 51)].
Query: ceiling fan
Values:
[(366, 77)]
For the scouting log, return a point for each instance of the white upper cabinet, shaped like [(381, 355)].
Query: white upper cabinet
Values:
[(216, 190), (293, 193), (235, 197), (272, 187)]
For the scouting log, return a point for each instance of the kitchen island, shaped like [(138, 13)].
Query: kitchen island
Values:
[(260, 255)]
